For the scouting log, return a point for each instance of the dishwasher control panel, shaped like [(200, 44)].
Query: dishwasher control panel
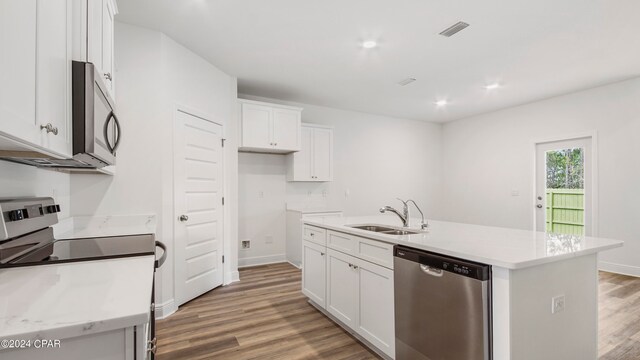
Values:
[(433, 260)]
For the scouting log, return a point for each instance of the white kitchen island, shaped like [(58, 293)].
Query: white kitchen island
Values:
[(529, 269)]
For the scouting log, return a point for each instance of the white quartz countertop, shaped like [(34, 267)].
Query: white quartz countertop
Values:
[(60, 301), (312, 208), (502, 247), (98, 226)]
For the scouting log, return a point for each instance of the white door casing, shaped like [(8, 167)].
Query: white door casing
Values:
[(198, 208), (589, 178)]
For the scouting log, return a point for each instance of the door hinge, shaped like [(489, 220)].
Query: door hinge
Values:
[(223, 259), (223, 142), (223, 200)]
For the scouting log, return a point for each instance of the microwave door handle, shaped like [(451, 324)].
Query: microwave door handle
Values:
[(106, 132), (118, 133)]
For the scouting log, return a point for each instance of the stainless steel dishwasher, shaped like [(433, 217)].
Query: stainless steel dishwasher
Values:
[(442, 307)]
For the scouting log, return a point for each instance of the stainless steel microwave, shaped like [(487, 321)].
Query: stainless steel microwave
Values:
[(96, 129)]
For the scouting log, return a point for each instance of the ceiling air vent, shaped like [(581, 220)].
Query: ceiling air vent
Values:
[(454, 29), (406, 81)]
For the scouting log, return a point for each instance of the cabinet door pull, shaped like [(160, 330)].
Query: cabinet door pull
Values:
[(50, 129), (321, 254), (108, 76)]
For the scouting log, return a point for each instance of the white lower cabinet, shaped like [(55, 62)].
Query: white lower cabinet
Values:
[(376, 321), (314, 273), (342, 287), (120, 344), (359, 293)]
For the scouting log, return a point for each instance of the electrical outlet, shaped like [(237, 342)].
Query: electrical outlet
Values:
[(557, 304), (245, 244), (268, 239)]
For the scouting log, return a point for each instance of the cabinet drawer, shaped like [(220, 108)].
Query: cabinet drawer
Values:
[(377, 252), (342, 242), (314, 234)]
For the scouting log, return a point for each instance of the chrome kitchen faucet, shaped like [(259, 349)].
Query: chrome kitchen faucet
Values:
[(404, 217)]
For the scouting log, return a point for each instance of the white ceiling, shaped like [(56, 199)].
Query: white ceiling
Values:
[(309, 51)]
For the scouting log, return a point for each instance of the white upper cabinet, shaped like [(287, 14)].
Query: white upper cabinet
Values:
[(269, 128), (314, 162), (53, 76), (256, 126), (99, 39), (17, 70), (35, 70)]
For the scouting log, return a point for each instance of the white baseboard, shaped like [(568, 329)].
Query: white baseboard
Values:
[(165, 309), (619, 268), (261, 260), (232, 277), (295, 265)]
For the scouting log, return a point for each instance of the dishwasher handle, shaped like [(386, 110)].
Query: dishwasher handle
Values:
[(431, 270)]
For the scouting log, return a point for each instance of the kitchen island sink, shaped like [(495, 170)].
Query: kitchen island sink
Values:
[(384, 229)]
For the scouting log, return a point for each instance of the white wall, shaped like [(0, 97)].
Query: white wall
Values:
[(263, 190), (377, 159), (21, 181), (487, 156), (154, 75)]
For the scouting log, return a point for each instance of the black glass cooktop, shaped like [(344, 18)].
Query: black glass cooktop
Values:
[(61, 251)]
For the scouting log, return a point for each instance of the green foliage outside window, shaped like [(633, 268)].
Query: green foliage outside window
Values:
[(565, 169)]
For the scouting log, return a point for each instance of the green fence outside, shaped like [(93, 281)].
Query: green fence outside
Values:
[(565, 211)]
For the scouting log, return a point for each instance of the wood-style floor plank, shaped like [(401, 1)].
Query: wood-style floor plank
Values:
[(265, 316)]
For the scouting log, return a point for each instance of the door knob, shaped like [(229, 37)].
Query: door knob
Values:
[(50, 129), (539, 206), (183, 218)]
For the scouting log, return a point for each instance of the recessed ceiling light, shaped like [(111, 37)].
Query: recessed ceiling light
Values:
[(492, 86), (369, 44), (441, 102)]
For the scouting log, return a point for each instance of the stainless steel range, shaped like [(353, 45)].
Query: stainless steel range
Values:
[(26, 239)]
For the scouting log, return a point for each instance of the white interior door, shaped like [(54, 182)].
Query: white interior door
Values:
[(198, 175), (564, 193)]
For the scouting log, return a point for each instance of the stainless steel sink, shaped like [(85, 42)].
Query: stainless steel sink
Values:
[(374, 228), (384, 229), (399, 232)]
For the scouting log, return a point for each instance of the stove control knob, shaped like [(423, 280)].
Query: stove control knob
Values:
[(16, 215), (52, 209)]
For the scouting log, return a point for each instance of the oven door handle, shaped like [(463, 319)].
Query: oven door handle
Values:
[(162, 259)]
